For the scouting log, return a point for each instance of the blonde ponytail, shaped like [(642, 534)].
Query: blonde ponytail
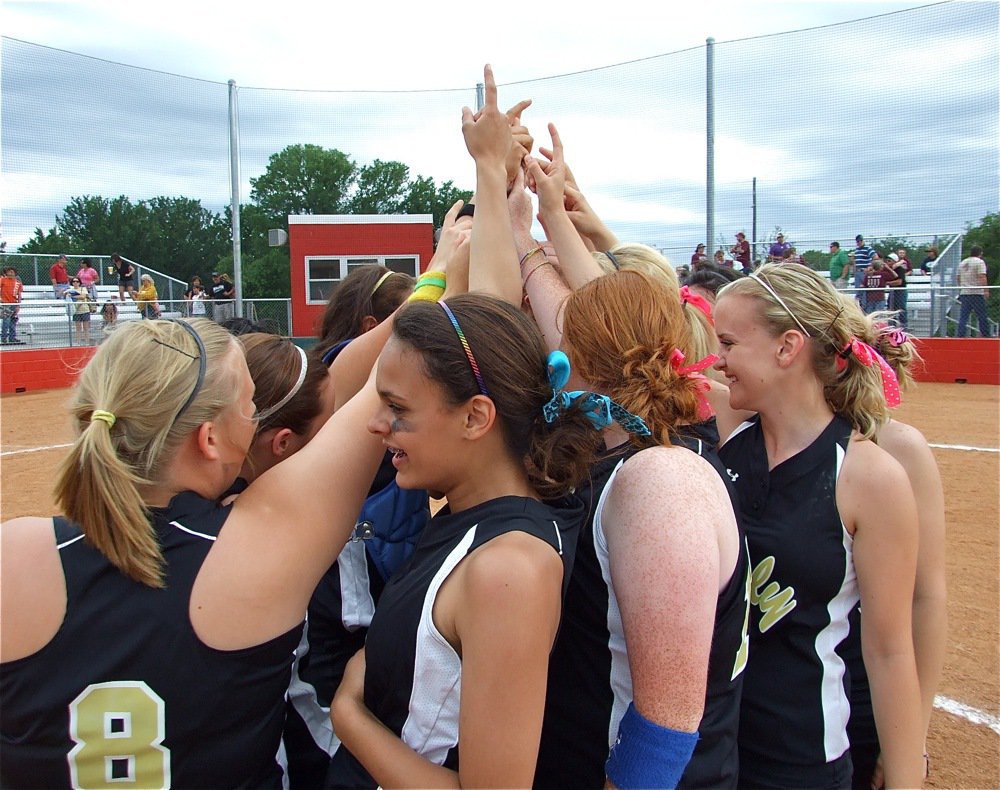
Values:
[(137, 400)]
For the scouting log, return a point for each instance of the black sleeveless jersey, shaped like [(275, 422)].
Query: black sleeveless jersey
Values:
[(413, 676), (590, 685), (803, 588), (126, 691)]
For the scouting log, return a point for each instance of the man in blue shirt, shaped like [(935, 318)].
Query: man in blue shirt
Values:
[(863, 255)]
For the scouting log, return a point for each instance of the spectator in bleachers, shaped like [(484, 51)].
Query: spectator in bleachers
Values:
[(109, 315), (840, 266), (877, 277), (79, 308), (720, 259), (904, 256), (10, 305), (741, 251), (698, 256), (147, 299), (863, 255), (59, 277), (88, 276), (223, 292), (930, 260), (971, 276), (126, 276), (776, 252), (897, 288), (189, 295), (197, 299)]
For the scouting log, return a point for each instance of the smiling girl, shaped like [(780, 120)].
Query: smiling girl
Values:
[(811, 484)]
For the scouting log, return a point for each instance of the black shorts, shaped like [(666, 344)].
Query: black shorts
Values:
[(763, 774)]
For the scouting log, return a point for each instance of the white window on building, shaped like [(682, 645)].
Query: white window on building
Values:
[(323, 273)]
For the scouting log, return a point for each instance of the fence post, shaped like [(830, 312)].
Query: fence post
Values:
[(288, 316), (34, 259)]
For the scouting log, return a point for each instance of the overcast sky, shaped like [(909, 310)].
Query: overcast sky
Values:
[(885, 125)]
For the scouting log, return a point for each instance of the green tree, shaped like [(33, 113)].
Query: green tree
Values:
[(42, 243), (381, 188), (424, 197), (304, 179)]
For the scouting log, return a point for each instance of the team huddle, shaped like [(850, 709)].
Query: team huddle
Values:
[(654, 560)]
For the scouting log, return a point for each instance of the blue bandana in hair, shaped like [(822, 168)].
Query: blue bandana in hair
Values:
[(599, 409)]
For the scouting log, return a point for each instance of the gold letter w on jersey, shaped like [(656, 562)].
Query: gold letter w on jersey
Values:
[(773, 602)]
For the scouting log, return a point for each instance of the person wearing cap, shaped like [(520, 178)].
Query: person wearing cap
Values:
[(863, 255), (59, 277), (223, 292), (840, 265), (897, 287), (776, 252), (698, 256), (741, 251)]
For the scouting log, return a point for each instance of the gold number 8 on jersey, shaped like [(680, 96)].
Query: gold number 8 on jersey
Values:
[(118, 728)]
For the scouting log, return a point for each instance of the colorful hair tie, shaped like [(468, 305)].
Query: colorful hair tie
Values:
[(867, 355), (697, 301), (467, 348), (600, 410), (694, 372), (100, 415)]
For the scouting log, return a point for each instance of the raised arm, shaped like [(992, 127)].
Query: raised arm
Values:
[(493, 262), (885, 552), (286, 530), (549, 179)]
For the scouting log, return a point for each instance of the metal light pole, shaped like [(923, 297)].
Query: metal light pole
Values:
[(710, 145), (234, 192)]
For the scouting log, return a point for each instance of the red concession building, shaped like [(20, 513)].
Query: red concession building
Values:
[(324, 248)]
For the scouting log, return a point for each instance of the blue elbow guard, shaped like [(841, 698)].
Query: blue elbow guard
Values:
[(648, 755)]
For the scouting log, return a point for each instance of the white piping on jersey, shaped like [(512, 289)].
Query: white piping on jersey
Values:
[(620, 676), (69, 542), (357, 606), (835, 704), (739, 429), (302, 695), (431, 726), (558, 537), (192, 532)]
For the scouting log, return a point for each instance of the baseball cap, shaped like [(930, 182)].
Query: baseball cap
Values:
[(893, 257), (859, 237), (216, 274)]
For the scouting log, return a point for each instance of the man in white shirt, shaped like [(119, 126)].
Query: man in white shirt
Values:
[(971, 277)]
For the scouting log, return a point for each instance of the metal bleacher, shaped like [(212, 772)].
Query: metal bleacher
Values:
[(47, 322)]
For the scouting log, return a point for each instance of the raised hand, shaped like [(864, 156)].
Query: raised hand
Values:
[(523, 141), (487, 133), (520, 207), (549, 177)]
